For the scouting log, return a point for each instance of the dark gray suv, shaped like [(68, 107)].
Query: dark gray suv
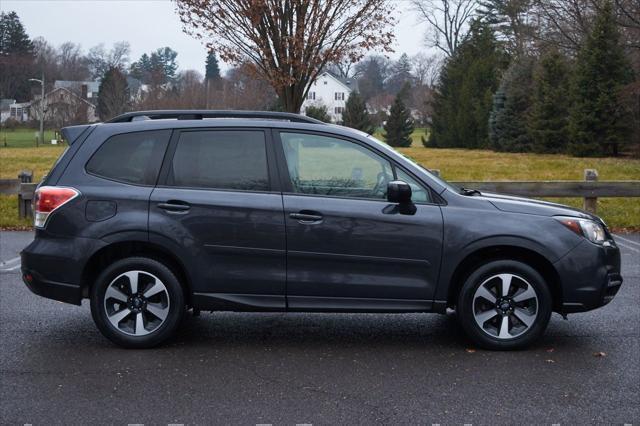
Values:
[(157, 212)]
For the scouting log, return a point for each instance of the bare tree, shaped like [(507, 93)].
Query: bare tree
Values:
[(448, 20), (101, 60), (242, 90), (73, 65), (289, 42), (343, 68), (46, 60), (191, 90), (426, 69), (565, 23)]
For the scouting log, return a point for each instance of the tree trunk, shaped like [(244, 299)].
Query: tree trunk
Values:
[(292, 98)]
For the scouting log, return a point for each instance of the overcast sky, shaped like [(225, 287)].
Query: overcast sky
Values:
[(147, 25)]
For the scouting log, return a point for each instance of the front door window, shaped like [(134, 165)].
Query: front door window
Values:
[(329, 166)]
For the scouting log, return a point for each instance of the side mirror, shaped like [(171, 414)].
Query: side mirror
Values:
[(398, 192)]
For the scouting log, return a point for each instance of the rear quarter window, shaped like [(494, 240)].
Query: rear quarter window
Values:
[(132, 157)]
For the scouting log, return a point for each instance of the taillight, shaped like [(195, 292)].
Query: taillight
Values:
[(49, 198)]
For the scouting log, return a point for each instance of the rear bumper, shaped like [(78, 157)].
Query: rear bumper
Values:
[(52, 267), (64, 292), (590, 276)]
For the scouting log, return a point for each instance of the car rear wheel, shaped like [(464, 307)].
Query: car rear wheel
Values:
[(137, 302), (504, 305)]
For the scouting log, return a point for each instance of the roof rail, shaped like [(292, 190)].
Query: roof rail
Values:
[(196, 114)]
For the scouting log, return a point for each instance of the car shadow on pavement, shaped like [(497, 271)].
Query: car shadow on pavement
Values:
[(366, 331)]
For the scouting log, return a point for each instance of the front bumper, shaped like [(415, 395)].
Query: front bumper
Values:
[(590, 276), (52, 267)]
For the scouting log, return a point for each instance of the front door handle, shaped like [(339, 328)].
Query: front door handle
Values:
[(174, 206), (306, 217)]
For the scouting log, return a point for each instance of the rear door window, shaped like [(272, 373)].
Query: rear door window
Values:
[(221, 159), (132, 157)]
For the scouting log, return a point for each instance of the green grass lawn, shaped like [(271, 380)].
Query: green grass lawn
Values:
[(454, 164), (416, 136), (23, 138)]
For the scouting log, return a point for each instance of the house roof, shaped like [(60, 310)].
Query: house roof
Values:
[(134, 84), (348, 83), (92, 86), (4, 103)]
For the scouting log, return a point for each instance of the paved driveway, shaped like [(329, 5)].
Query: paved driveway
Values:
[(314, 368)]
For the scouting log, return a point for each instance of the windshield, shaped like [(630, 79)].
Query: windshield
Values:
[(441, 181)]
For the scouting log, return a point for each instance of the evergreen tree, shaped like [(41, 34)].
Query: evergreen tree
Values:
[(598, 121), (399, 126), (212, 70), (550, 104), (355, 114), (17, 59), (141, 68), (508, 129), (463, 98), (509, 20), (113, 94), (318, 112), (158, 68), (400, 75), (372, 72)]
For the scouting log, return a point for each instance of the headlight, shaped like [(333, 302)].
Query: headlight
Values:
[(591, 230)]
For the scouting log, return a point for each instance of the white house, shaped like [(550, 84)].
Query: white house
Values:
[(10, 109), (331, 91)]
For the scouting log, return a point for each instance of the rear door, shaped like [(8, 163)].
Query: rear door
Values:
[(219, 203), (348, 248)]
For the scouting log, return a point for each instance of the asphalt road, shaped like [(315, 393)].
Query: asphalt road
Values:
[(314, 368)]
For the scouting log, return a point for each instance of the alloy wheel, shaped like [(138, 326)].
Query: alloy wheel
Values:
[(136, 303), (505, 306)]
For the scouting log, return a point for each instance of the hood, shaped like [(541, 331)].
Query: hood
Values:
[(511, 204)]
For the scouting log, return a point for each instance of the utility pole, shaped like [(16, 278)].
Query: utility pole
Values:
[(41, 108)]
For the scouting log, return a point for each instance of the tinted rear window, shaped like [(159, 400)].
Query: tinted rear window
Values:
[(131, 157), (221, 159)]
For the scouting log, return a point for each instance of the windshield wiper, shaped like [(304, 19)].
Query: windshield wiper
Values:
[(467, 191)]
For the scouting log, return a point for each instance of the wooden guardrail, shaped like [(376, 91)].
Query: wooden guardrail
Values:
[(589, 189), (9, 186)]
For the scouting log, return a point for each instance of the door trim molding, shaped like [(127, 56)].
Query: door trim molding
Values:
[(374, 259)]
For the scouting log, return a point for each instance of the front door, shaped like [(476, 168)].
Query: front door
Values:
[(217, 204), (348, 248)]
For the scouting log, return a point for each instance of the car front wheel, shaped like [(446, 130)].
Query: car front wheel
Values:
[(137, 302), (504, 305)]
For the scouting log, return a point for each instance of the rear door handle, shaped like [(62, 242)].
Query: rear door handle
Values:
[(174, 206), (306, 217)]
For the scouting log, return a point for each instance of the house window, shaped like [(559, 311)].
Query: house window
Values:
[(325, 83), (339, 96), (338, 110), (311, 96)]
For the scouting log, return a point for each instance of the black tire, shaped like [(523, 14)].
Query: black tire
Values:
[(483, 336), (172, 294)]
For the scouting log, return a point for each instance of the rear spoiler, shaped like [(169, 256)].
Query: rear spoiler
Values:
[(72, 133)]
